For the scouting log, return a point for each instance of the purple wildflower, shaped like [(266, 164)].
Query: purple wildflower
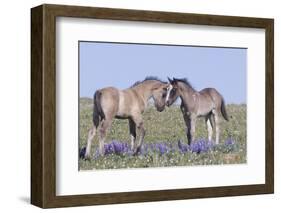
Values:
[(182, 147), (229, 141), (162, 148), (144, 150), (116, 147), (120, 148), (201, 146), (108, 149)]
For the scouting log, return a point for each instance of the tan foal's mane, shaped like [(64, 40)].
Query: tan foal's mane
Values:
[(146, 79)]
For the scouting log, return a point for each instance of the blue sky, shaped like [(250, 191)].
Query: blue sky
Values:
[(120, 65)]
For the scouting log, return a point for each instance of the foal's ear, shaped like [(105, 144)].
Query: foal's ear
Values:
[(170, 80)]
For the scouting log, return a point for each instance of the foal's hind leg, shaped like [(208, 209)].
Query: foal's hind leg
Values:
[(132, 127), (105, 125), (209, 127), (91, 135), (217, 123), (188, 128)]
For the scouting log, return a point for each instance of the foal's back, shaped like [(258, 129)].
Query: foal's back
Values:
[(119, 103), (211, 93), (210, 97), (129, 103)]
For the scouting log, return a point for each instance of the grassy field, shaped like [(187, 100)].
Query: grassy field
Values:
[(165, 142)]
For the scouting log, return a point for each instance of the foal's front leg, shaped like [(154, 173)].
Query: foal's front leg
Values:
[(139, 124), (190, 122), (187, 123), (192, 127), (105, 125), (188, 128)]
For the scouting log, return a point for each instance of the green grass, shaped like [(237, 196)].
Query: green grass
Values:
[(166, 126)]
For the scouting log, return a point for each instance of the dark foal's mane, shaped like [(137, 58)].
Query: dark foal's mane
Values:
[(185, 81), (148, 78)]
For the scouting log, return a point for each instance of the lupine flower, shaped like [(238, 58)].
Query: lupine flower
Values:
[(108, 149), (123, 148), (120, 148), (201, 146), (144, 150), (229, 141), (182, 147), (116, 147), (162, 148), (229, 145)]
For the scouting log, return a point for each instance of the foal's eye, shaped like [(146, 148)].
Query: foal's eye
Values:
[(164, 95), (173, 91)]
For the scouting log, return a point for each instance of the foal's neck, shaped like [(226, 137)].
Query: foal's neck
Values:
[(186, 92), (144, 89), (184, 88)]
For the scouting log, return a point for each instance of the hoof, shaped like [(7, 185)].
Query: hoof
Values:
[(87, 157), (137, 151), (101, 153)]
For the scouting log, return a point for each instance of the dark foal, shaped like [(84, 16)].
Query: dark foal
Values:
[(206, 103)]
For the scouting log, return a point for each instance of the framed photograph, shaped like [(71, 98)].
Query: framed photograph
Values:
[(136, 106)]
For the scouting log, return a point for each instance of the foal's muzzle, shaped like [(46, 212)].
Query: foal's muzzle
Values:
[(168, 103), (160, 109)]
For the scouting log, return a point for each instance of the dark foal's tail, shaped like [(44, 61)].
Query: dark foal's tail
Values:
[(98, 113), (223, 110)]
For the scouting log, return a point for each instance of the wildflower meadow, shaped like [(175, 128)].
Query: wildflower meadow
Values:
[(165, 142)]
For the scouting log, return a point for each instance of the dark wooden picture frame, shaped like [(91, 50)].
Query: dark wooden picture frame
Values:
[(43, 105)]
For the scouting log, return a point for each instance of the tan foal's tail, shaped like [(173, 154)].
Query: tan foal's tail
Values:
[(98, 113)]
